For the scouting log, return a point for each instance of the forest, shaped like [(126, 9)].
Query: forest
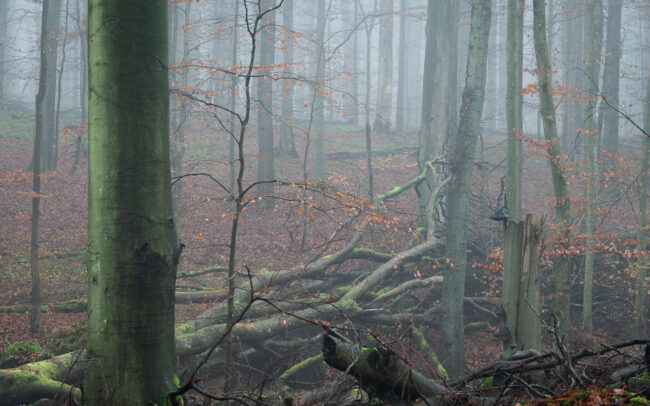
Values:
[(324, 202)]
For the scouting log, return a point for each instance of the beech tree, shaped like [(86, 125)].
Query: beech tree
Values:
[(36, 325), (436, 93), (461, 163), (608, 117), (4, 20), (593, 38), (132, 244), (514, 56), (48, 147), (265, 166), (385, 68), (562, 265), (319, 107), (641, 297)]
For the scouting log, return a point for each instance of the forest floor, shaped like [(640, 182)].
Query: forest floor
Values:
[(273, 239)]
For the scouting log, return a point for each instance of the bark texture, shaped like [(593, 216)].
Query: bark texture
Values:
[(132, 239), (641, 297), (265, 165), (383, 117), (514, 53), (462, 162), (593, 42), (562, 265), (521, 284)]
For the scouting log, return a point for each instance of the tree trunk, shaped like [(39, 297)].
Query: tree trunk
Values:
[(178, 138), (319, 109), (593, 42), (287, 145), (429, 138), (641, 297), (461, 164), (59, 82), (562, 266), (4, 20), (521, 284), (132, 243), (48, 146), (233, 100), (489, 108), (383, 114), (568, 51), (265, 169), (35, 316), (353, 110), (608, 117), (402, 67), (514, 51), (83, 84)]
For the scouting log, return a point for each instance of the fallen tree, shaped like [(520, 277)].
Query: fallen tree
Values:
[(379, 370), (200, 335)]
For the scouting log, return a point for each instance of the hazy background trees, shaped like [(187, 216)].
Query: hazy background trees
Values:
[(533, 105)]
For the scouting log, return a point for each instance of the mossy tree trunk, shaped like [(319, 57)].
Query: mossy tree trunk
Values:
[(562, 266), (461, 164), (131, 234)]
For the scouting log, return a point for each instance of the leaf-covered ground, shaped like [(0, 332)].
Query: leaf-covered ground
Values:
[(274, 239)]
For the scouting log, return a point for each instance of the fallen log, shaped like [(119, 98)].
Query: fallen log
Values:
[(199, 272), (54, 378), (379, 370)]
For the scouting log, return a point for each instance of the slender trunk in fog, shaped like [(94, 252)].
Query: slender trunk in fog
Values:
[(562, 268), (4, 20), (59, 83), (593, 41), (641, 297), (319, 108), (233, 99), (608, 117), (434, 129), (178, 138), (36, 325), (401, 83), (383, 114), (48, 146), (287, 146), (83, 81), (514, 49), (265, 167), (461, 164)]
